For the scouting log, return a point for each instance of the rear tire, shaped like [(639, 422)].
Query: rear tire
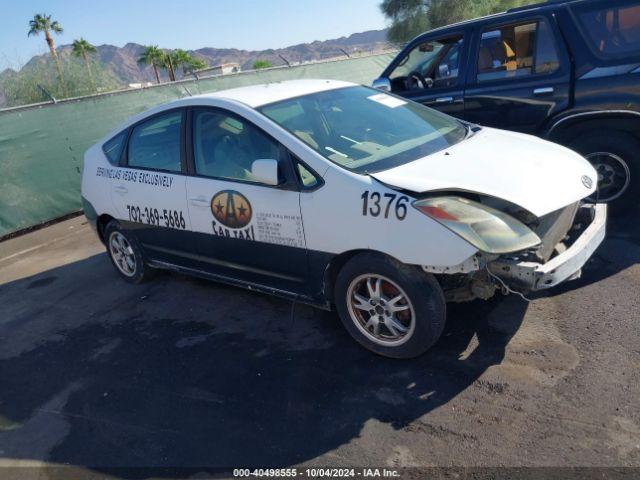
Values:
[(392, 309), (125, 254), (616, 158)]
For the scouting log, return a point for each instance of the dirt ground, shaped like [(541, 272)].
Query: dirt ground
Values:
[(180, 372)]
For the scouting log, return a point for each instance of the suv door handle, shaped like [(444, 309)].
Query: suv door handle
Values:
[(444, 100), (199, 202), (121, 190), (543, 91)]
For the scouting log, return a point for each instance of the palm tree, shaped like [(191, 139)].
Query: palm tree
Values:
[(43, 23), (196, 64), (152, 55), (82, 48), (167, 63), (180, 58)]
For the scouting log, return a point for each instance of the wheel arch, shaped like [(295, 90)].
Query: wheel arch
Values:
[(334, 266), (566, 129), (101, 224)]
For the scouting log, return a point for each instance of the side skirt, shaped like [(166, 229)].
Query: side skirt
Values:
[(324, 305)]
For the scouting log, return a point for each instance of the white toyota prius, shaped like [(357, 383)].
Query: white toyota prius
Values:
[(341, 196)]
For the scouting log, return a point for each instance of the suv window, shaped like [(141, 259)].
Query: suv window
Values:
[(436, 61), (517, 50), (113, 148), (612, 30), (225, 146), (155, 143)]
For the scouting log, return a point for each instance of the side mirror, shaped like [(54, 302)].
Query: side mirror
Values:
[(265, 171), (443, 71), (382, 84)]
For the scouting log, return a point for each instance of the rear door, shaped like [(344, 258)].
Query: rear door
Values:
[(519, 75), (244, 229), (149, 188), (432, 71)]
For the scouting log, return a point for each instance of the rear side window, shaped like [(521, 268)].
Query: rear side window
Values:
[(113, 148), (612, 29), (156, 143), (513, 51)]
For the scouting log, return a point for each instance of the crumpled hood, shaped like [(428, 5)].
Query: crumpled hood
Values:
[(537, 175)]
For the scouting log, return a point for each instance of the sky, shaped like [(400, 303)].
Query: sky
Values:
[(244, 24)]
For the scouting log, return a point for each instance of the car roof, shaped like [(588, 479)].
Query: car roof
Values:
[(258, 95)]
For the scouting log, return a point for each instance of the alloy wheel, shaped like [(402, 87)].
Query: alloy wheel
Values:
[(122, 254), (381, 309)]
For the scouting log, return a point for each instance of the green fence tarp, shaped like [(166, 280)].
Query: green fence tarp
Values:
[(42, 147)]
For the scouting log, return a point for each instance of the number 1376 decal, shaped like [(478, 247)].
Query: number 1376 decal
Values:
[(376, 204)]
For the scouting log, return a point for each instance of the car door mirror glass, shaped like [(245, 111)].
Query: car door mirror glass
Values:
[(265, 171), (382, 84)]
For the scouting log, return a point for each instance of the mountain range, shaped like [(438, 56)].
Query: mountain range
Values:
[(121, 62)]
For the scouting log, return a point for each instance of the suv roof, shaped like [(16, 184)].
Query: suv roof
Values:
[(524, 8)]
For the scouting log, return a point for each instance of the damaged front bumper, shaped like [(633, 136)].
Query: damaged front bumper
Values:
[(567, 265)]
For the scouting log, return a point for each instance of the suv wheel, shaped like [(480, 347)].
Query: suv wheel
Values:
[(125, 254), (614, 156), (392, 309)]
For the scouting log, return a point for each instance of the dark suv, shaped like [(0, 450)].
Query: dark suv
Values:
[(566, 71)]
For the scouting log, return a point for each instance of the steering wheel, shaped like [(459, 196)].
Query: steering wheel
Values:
[(415, 77)]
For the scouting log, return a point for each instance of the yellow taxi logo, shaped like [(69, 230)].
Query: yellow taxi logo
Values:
[(231, 209)]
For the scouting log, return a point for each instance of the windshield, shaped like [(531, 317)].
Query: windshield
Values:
[(418, 59), (365, 130)]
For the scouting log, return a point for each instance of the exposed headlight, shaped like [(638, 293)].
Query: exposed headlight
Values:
[(487, 229)]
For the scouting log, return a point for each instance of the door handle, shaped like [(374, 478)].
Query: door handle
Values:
[(543, 91), (121, 190), (444, 100), (199, 202)]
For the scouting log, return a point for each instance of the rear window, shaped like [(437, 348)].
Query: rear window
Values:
[(613, 29)]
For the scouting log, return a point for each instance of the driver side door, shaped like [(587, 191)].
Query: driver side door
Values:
[(441, 62)]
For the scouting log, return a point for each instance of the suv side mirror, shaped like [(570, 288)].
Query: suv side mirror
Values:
[(265, 171), (443, 71), (382, 84)]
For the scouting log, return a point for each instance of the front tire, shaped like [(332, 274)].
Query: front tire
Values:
[(125, 254), (390, 308)]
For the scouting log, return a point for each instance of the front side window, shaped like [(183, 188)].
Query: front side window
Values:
[(614, 29), (155, 143), (431, 64), (515, 51), (364, 130), (225, 146)]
